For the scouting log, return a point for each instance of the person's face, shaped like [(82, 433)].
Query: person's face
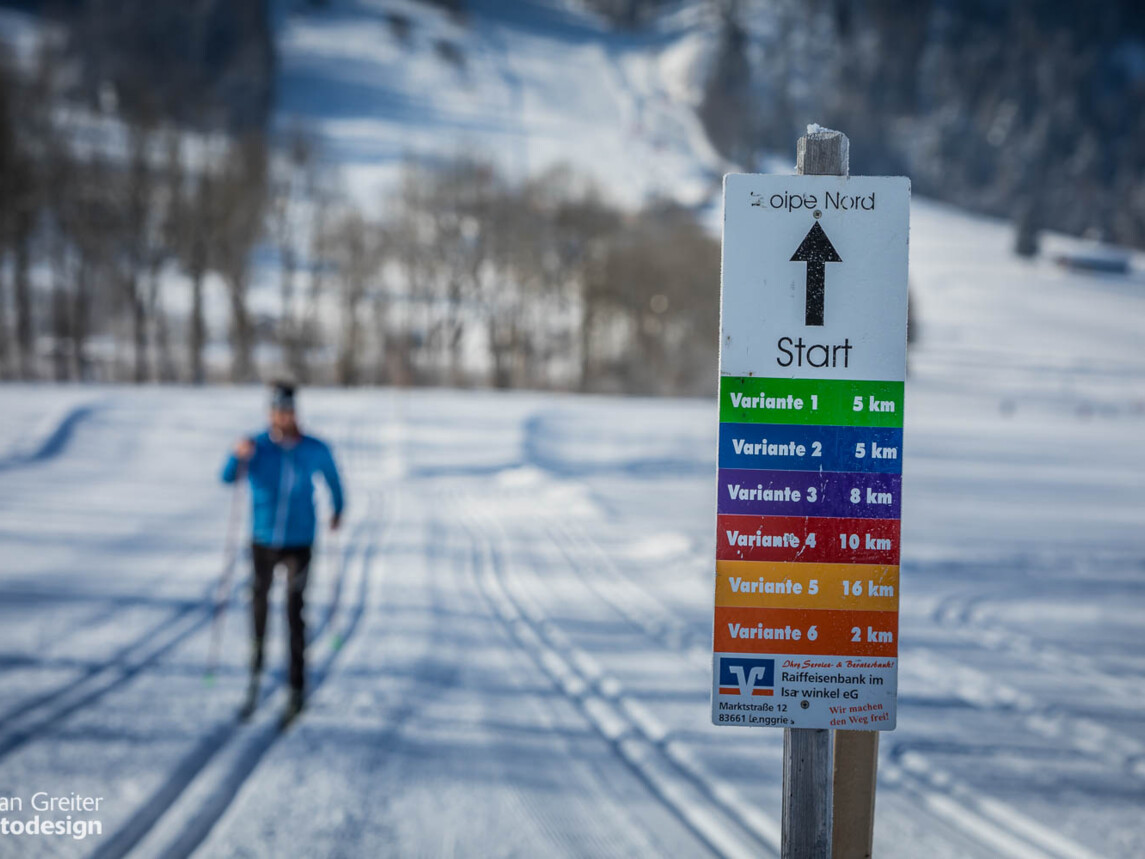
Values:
[(282, 421)]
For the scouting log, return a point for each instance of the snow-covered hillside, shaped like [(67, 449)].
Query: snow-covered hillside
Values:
[(516, 661), (528, 84)]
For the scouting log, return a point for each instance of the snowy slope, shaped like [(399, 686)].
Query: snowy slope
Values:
[(528, 84), (525, 605)]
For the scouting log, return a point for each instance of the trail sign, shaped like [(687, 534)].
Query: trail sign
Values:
[(810, 456), (767, 295)]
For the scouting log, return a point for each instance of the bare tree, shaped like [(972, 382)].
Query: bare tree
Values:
[(357, 253), (195, 226), (58, 198), (161, 249), (29, 110), (309, 329), (241, 195), (580, 226), (135, 240), (23, 223), (410, 231), (509, 227), (380, 311), (660, 285), (9, 178), (90, 225), (292, 201), (460, 206)]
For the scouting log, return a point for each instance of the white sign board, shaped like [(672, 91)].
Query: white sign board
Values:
[(766, 220), (809, 484)]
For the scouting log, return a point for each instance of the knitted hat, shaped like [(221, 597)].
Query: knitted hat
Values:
[(282, 397)]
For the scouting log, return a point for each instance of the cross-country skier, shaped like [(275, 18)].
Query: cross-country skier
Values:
[(281, 464)]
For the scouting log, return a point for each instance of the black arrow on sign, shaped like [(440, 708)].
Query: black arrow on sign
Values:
[(815, 250)]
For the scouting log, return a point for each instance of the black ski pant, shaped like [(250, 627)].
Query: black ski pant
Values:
[(296, 561)]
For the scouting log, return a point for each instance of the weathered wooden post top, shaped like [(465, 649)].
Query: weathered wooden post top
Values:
[(823, 152)]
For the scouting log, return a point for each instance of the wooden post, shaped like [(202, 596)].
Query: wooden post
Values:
[(823, 152), (856, 768), (807, 753), (829, 782), (806, 794)]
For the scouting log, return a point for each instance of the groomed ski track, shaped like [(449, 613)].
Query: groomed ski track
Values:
[(522, 662)]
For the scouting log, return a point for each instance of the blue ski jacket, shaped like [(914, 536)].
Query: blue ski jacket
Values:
[(282, 488)]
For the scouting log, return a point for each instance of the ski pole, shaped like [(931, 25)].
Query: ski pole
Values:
[(340, 560), (222, 592)]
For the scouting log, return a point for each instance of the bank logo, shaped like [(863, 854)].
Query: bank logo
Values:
[(740, 675)]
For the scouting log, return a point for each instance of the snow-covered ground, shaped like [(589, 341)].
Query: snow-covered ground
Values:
[(517, 661)]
